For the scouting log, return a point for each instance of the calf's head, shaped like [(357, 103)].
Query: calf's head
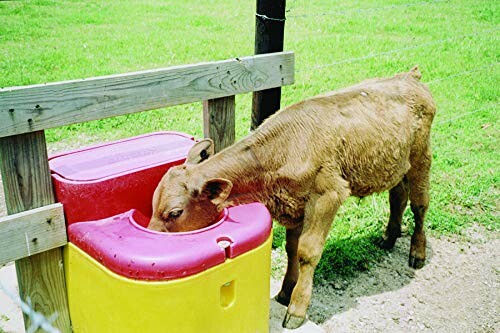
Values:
[(186, 199)]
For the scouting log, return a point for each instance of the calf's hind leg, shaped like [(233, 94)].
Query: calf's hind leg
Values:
[(418, 177), (398, 199), (292, 270)]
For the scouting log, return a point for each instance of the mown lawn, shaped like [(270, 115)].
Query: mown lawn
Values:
[(337, 43)]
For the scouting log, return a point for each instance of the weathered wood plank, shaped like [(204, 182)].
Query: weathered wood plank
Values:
[(33, 108), (31, 232), (27, 185), (218, 121)]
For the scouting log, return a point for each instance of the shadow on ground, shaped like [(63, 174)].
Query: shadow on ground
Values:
[(341, 292)]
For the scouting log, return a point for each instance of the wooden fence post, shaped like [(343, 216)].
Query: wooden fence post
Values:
[(218, 121), (269, 33), (27, 185)]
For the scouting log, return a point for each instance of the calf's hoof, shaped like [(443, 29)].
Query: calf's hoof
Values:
[(416, 263), (282, 298), (386, 244), (292, 322)]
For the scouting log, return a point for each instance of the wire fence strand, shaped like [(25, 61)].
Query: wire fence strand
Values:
[(374, 55), (475, 70), (38, 320), (371, 9), (463, 115)]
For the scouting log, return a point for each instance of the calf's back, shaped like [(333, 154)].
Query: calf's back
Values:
[(366, 134)]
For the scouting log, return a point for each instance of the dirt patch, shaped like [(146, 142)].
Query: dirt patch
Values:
[(457, 290)]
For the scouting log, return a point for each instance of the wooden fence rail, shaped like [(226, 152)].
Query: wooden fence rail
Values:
[(30, 232), (43, 106)]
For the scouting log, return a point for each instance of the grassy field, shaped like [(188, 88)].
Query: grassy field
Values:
[(337, 43)]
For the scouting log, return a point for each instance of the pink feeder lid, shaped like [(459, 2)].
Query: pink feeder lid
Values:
[(122, 156), (123, 244)]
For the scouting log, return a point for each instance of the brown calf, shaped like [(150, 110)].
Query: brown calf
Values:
[(303, 162)]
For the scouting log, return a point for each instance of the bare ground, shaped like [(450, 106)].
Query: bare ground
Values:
[(457, 290)]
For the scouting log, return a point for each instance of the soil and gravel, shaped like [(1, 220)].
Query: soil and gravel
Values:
[(456, 291)]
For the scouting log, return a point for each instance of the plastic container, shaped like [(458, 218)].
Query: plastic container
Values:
[(122, 277)]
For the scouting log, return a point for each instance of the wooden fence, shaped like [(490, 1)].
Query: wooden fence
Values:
[(35, 230)]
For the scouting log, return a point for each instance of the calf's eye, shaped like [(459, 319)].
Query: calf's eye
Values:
[(174, 213)]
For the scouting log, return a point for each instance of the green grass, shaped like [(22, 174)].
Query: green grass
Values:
[(455, 43), (3, 319)]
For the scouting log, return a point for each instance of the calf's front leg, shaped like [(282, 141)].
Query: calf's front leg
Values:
[(319, 213)]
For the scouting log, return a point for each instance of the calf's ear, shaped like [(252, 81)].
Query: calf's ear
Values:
[(217, 190), (200, 151)]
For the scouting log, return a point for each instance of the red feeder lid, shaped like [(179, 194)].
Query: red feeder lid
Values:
[(122, 243), (122, 156)]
